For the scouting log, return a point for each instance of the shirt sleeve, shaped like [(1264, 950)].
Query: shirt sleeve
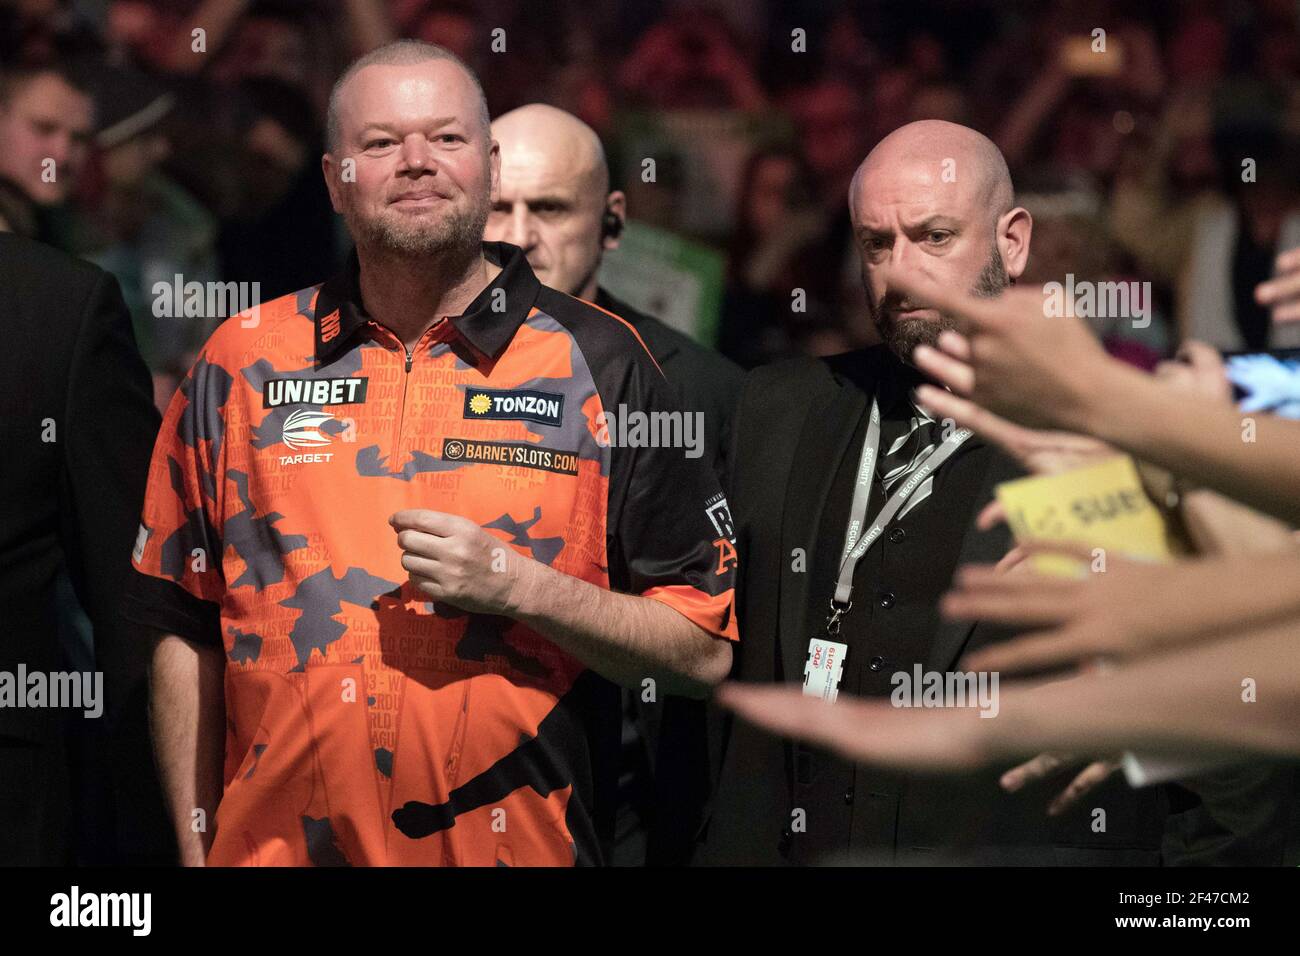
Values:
[(673, 539), (178, 548)]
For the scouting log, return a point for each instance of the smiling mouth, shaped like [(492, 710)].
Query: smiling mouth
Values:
[(425, 199)]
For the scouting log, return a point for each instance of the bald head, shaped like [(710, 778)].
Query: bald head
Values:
[(554, 195), (544, 142), (935, 200), (942, 153), (399, 53)]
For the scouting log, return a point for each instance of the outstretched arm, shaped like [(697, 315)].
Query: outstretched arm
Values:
[(1043, 371), (1239, 693)]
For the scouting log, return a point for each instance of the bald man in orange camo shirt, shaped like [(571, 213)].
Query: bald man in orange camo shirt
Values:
[(396, 529)]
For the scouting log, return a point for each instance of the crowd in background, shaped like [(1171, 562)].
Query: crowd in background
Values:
[(1171, 160)]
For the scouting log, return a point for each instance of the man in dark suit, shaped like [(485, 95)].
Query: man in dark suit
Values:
[(77, 425), (557, 206), (936, 199)]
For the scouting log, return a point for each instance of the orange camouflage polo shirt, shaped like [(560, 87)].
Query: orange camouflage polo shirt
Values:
[(363, 728)]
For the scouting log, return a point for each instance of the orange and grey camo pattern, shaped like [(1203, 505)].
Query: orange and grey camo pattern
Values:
[(363, 728)]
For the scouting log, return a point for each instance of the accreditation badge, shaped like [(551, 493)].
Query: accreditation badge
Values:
[(824, 668)]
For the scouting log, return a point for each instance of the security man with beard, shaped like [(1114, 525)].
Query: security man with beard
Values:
[(853, 509)]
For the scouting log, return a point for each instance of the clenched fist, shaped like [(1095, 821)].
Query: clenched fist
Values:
[(454, 561)]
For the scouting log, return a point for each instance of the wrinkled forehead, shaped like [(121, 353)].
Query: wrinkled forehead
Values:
[(530, 170), (549, 166), (913, 188)]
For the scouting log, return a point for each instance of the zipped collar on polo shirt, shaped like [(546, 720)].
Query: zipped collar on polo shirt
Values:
[(488, 324)]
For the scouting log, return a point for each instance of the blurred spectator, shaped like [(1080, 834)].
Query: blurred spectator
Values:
[(449, 25), (1213, 237), (141, 31), (1079, 86), (226, 41), (41, 31), (272, 41), (689, 60), (776, 291), (581, 85), (830, 117), (1197, 51), (144, 228), (1072, 238), (46, 119), (282, 204)]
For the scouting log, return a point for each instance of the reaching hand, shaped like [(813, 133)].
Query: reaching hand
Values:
[(1282, 292), (868, 731), (1039, 452), (1016, 361), (1046, 764), (1130, 609), (1198, 371)]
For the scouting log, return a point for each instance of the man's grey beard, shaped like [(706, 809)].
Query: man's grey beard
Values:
[(904, 336), (459, 232)]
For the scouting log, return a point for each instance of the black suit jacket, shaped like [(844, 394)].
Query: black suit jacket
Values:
[(793, 427), (670, 761), (77, 426)]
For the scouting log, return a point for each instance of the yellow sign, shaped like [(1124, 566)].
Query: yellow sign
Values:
[(1100, 507)]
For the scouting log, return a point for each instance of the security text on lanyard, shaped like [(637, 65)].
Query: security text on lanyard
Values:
[(857, 544)]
